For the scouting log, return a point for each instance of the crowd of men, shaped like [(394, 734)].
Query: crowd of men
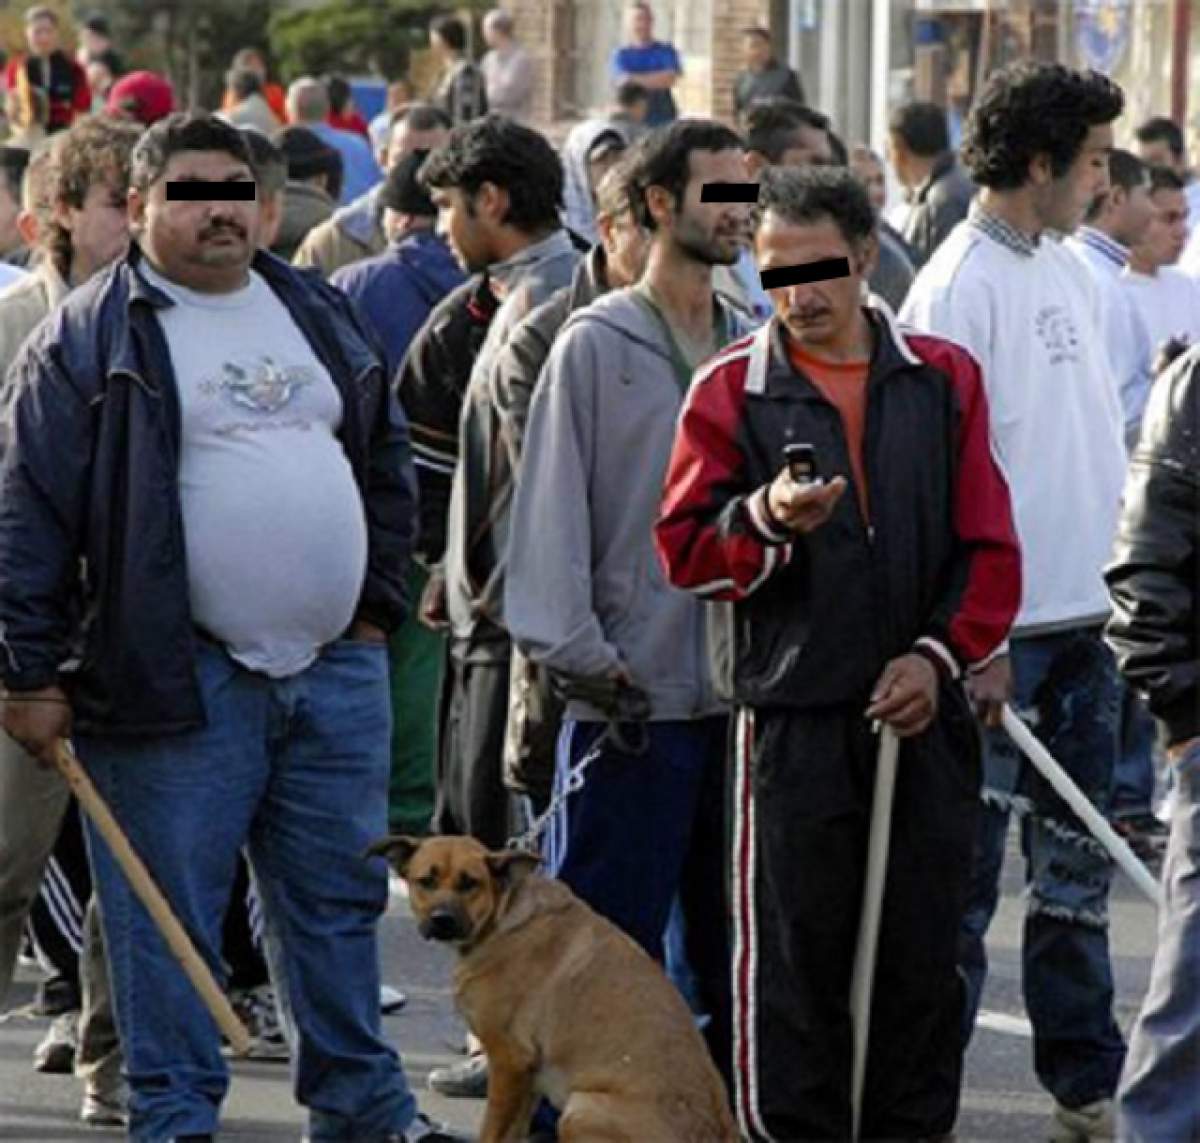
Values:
[(439, 486)]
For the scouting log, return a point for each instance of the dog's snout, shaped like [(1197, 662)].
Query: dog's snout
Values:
[(443, 924)]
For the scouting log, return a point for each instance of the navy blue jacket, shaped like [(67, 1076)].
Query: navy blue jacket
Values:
[(90, 511), (397, 289)]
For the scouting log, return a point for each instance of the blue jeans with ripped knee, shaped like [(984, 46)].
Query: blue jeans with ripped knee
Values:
[(1066, 686)]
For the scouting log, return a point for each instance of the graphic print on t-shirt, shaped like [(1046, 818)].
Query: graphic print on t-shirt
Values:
[(1056, 329), (262, 385)]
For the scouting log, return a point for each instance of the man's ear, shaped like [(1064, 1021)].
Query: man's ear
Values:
[(660, 205), (135, 207), (492, 202), (28, 227), (398, 849), (509, 867), (1041, 170)]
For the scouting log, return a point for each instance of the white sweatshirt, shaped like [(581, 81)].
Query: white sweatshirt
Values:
[(1030, 315), (1168, 302)]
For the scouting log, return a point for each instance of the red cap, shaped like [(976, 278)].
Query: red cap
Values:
[(143, 96)]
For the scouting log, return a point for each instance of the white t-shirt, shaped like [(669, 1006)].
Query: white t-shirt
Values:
[(1169, 303), (1032, 321), (1126, 336), (275, 528)]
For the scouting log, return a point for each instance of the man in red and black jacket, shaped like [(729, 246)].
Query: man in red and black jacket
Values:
[(49, 68), (864, 597)]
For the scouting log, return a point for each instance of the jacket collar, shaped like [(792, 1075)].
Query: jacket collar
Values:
[(769, 367), (1104, 245), (1001, 232), (555, 245), (311, 309)]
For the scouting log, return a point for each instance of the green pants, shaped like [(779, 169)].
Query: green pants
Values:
[(415, 657)]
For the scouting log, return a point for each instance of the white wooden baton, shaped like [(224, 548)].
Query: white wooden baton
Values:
[(863, 978), (151, 896), (1070, 793)]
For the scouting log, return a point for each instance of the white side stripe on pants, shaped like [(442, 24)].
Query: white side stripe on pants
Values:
[(745, 936)]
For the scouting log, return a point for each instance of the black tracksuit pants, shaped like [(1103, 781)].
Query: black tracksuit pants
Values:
[(802, 791)]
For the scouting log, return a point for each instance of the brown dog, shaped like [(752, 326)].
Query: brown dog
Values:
[(564, 1003)]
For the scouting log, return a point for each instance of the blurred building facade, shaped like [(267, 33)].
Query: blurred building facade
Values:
[(858, 58)]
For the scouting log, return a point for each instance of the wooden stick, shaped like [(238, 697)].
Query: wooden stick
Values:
[(151, 896), (863, 979)]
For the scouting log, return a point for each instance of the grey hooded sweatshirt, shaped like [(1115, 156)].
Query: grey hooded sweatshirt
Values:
[(584, 592)]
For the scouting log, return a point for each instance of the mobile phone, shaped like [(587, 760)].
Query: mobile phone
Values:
[(801, 461)]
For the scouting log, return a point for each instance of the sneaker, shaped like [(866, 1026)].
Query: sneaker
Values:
[(391, 1000), (1080, 1124), (55, 1054), (425, 1130), (256, 1008), (1145, 835), (104, 1106), (467, 1079), (56, 997)]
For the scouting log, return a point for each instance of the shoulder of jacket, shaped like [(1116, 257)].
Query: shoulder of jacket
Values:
[(1171, 426)]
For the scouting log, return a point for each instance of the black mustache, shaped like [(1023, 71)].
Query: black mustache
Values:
[(223, 228)]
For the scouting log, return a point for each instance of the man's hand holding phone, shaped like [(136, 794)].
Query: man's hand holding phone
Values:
[(798, 499)]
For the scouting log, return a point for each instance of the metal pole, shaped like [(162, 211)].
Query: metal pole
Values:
[(1070, 793), (863, 977), (881, 47)]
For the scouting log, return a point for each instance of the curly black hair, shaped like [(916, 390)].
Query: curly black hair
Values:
[(806, 195), (1031, 109), (501, 151), (663, 159)]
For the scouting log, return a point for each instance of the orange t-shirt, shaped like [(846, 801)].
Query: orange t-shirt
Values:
[(844, 385)]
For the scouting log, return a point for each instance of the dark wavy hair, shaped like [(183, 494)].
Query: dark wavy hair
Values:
[(664, 159), (770, 125), (807, 195), (94, 150), (183, 132), (1032, 109), (501, 151)]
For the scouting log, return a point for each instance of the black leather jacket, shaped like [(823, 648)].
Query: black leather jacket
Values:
[(1154, 577)]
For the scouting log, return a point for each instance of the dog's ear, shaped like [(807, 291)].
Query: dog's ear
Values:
[(509, 867), (398, 849)]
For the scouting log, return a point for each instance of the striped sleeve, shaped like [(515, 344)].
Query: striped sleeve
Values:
[(714, 534)]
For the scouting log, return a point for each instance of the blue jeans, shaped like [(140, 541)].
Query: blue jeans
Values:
[(1133, 776), (1160, 1095), (296, 771), (1066, 685)]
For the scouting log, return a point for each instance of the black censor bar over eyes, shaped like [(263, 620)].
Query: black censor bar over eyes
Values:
[(200, 190), (729, 192), (823, 271)]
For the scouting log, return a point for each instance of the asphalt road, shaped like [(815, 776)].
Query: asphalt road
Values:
[(1001, 1101)]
